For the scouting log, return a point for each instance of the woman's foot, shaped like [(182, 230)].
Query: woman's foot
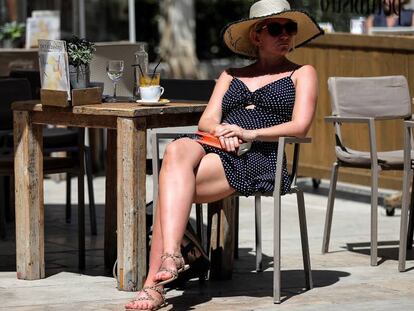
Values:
[(148, 298), (171, 265)]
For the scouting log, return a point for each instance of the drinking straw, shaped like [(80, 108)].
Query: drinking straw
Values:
[(153, 74), (140, 69)]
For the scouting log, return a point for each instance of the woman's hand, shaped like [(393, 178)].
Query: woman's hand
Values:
[(230, 144), (231, 136), (231, 130)]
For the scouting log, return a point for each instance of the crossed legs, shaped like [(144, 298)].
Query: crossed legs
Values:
[(187, 175)]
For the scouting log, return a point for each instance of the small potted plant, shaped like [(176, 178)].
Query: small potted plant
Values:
[(11, 34), (80, 52)]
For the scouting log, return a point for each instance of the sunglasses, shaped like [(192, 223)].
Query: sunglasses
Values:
[(276, 29)]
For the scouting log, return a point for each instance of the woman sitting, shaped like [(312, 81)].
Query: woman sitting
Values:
[(270, 98)]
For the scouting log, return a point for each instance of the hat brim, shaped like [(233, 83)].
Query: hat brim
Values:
[(236, 35)]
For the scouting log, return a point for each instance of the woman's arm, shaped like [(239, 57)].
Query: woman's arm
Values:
[(412, 18), (303, 112), (369, 23), (212, 115)]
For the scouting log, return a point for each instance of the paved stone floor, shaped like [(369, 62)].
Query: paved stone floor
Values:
[(343, 279)]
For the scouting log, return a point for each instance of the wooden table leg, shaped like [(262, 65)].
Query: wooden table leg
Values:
[(110, 201), (221, 217), (131, 228), (28, 171)]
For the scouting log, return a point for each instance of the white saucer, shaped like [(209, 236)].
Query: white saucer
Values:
[(161, 102)]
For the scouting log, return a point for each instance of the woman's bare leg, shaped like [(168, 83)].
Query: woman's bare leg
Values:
[(211, 181), (210, 185), (177, 191), (154, 265)]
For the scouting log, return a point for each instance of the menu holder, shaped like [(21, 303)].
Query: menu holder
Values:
[(54, 98), (86, 96)]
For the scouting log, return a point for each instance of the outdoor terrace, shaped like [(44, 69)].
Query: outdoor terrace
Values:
[(343, 279)]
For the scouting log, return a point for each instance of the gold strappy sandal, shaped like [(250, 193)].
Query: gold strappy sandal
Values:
[(157, 303), (179, 263)]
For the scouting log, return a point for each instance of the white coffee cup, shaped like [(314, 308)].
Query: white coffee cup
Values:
[(151, 93)]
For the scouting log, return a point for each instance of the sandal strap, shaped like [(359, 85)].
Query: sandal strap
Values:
[(174, 273), (149, 297), (178, 259)]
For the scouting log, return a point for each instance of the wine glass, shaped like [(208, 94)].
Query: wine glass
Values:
[(114, 69)]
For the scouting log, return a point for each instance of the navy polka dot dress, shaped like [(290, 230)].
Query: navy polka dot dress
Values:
[(255, 170)]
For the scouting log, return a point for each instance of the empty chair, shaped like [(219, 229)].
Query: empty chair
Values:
[(406, 228), (365, 100), (65, 140), (33, 76), (12, 90), (185, 89)]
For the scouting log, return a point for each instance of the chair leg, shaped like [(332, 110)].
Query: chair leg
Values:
[(258, 231), (89, 177), (81, 221), (81, 200), (236, 228), (2, 209), (329, 209), (411, 219), (276, 249), (68, 198), (403, 224), (200, 223), (304, 239), (12, 199), (374, 215)]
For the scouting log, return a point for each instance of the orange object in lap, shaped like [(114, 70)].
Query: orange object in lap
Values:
[(208, 139)]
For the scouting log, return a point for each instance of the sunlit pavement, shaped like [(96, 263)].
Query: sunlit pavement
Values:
[(343, 278)]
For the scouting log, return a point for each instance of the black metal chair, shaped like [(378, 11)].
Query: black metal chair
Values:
[(71, 141), (62, 139)]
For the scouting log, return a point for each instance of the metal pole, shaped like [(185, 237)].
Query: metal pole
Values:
[(22, 10), (131, 14), (75, 18), (82, 19)]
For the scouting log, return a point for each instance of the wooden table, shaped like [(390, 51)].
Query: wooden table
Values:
[(127, 124)]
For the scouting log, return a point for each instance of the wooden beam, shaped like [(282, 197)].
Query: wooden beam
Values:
[(131, 228), (66, 118), (221, 220), (28, 172)]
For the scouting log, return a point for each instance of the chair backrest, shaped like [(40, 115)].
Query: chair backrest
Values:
[(33, 76), (11, 90), (185, 89), (385, 97)]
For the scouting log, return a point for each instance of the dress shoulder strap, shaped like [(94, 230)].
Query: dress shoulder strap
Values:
[(230, 71), (294, 70)]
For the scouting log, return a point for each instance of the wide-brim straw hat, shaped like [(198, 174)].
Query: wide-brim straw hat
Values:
[(236, 35)]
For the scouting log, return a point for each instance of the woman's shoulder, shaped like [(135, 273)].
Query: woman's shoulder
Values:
[(305, 71)]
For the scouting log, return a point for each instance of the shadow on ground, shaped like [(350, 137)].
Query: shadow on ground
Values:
[(387, 250), (248, 283)]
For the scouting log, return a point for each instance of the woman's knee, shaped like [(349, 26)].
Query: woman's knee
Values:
[(182, 150)]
